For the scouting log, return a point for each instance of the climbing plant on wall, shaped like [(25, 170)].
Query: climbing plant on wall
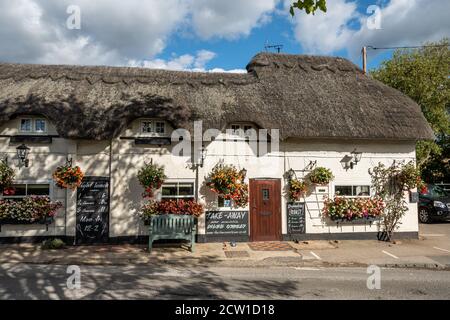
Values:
[(390, 184)]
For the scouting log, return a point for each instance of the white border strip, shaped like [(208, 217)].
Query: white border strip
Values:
[(445, 250), (316, 256), (389, 254)]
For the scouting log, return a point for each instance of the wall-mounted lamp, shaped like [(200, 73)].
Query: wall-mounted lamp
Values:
[(349, 161), (22, 154)]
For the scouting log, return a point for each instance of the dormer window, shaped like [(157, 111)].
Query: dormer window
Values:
[(246, 129), (33, 125)]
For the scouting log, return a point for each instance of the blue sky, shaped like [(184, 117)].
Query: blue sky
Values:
[(235, 54), (208, 35)]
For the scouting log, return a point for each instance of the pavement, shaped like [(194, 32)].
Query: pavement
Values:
[(431, 251)]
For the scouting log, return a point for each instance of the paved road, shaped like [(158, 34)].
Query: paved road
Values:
[(21, 281)]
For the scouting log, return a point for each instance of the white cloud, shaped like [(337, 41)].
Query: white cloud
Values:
[(111, 31), (186, 62), (183, 62), (229, 19), (115, 32), (403, 22)]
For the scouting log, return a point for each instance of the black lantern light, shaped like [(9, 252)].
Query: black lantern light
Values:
[(22, 154), (356, 156)]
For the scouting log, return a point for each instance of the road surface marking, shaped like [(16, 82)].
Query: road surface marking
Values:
[(441, 249), (432, 235), (316, 256), (307, 268), (389, 254)]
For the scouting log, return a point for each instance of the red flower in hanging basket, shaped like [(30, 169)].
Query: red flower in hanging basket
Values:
[(68, 177)]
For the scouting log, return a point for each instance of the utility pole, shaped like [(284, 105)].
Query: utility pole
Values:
[(364, 59)]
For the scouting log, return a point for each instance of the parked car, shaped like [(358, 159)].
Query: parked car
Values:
[(434, 204)]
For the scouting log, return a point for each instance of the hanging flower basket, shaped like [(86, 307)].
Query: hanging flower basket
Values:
[(229, 183), (29, 210), (7, 175), (151, 177), (320, 176), (68, 176), (350, 209), (297, 189)]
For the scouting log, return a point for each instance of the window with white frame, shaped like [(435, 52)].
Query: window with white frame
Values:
[(160, 127), (26, 125), (152, 126), (352, 190), (177, 190), (146, 126), (40, 125), (236, 128), (29, 125), (22, 190)]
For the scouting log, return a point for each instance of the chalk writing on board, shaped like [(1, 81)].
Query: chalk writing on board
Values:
[(296, 217), (93, 210), (227, 222)]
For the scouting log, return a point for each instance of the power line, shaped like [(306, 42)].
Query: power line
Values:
[(406, 47)]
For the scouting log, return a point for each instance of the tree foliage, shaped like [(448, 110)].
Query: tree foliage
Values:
[(310, 6), (423, 75)]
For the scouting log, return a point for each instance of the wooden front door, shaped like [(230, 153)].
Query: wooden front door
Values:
[(265, 210)]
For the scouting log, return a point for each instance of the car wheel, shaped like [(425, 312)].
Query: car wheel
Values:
[(424, 215)]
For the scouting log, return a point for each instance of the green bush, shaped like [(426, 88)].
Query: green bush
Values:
[(53, 244)]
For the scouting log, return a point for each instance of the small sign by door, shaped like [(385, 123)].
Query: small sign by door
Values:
[(296, 218), (92, 222)]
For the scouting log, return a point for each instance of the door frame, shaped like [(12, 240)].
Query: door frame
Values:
[(252, 208)]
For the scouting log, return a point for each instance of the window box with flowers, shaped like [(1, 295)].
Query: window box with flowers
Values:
[(28, 210), (229, 183), (343, 209)]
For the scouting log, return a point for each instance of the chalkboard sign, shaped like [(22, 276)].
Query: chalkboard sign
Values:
[(227, 222), (93, 211), (296, 217)]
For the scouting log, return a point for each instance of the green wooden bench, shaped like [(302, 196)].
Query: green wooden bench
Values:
[(172, 226)]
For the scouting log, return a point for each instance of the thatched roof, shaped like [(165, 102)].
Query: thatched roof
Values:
[(303, 96)]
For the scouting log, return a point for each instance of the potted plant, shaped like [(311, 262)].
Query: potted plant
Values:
[(7, 175), (68, 176), (297, 189), (320, 176), (32, 209), (151, 177), (229, 183)]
